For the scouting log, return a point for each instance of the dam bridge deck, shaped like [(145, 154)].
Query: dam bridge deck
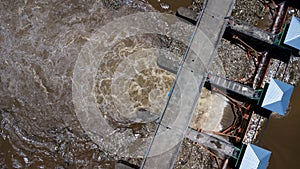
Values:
[(174, 120)]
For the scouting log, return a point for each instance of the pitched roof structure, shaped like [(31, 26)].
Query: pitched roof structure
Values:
[(278, 96), (255, 158), (293, 35)]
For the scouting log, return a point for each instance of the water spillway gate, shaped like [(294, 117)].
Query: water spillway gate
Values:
[(176, 115)]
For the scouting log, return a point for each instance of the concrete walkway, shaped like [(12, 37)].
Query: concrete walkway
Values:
[(176, 116), (229, 85), (217, 143)]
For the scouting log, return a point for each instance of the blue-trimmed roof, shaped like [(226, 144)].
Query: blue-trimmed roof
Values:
[(278, 96), (255, 158), (293, 35)]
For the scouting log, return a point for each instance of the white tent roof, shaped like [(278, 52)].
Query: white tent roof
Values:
[(278, 96), (293, 35), (255, 158)]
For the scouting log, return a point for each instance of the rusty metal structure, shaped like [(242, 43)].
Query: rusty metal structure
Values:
[(261, 47), (226, 146)]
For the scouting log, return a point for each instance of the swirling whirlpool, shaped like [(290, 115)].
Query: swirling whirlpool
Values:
[(118, 90)]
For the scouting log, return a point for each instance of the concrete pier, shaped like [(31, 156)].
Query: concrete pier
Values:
[(221, 146), (232, 86)]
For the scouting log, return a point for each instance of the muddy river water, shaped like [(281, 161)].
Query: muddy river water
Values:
[(282, 137), (79, 82), (52, 55)]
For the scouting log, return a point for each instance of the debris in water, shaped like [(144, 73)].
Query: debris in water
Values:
[(164, 6), (26, 160)]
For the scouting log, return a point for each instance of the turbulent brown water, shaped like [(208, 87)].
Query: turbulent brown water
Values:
[(282, 137), (169, 5), (40, 42)]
